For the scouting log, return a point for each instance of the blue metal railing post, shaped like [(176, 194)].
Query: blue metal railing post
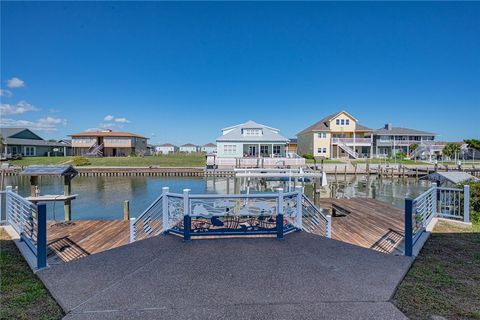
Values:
[(408, 227), (165, 217), (42, 236), (280, 214), (466, 203), (187, 220)]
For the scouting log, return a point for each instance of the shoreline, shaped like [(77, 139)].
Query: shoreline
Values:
[(389, 170)]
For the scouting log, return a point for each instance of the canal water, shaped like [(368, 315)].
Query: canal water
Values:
[(102, 197)]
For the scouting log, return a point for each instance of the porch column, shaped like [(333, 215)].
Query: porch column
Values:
[(371, 145), (354, 138), (271, 152), (258, 151)]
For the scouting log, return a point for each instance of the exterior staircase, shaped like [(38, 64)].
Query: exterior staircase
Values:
[(348, 150), (96, 150)]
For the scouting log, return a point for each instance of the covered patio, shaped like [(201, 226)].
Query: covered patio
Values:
[(264, 150)]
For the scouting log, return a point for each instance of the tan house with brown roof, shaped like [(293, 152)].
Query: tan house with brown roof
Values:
[(108, 144), (336, 136)]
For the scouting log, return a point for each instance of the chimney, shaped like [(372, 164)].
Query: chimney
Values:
[(388, 126)]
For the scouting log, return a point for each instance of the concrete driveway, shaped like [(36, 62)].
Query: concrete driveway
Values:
[(304, 277)]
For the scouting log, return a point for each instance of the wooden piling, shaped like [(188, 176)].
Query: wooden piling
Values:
[(126, 210)]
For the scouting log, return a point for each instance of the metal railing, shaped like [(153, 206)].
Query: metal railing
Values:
[(238, 214), (315, 220), (30, 223), (448, 203), (356, 141)]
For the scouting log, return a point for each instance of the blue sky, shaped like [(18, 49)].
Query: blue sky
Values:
[(178, 72)]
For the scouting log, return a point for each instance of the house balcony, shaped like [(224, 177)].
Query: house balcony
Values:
[(400, 143), (358, 142)]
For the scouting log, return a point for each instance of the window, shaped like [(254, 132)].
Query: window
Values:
[(252, 132), (324, 150), (319, 150), (230, 149), (338, 121), (276, 149), (264, 150), (342, 122), (322, 134), (347, 122), (29, 151)]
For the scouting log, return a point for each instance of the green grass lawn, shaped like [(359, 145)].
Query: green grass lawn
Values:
[(171, 160), (444, 279), (391, 161), (23, 295), (326, 161)]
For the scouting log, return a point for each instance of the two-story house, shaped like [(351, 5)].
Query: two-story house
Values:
[(108, 144), (251, 139), (390, 140), (188, 148), (336, 136), (209, 148), (166, 148)]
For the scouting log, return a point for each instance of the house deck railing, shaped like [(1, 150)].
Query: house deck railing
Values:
[(191, 215), (30, 222), (436, 202)]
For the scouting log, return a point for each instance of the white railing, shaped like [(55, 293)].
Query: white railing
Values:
[(30, 222), (349, 150), (315, 220), (217, 214), (448, 203), (352, 141), (262, 162)]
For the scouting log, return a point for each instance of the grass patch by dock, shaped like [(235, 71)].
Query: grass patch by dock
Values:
[(326, 161), (391, 161), (444, 280), (23, 295), (170, 160)]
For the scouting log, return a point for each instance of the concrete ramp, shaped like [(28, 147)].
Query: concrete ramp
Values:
[(304, 277)]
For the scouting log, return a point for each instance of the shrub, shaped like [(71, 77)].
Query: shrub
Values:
[(308, 156), (80, 161)]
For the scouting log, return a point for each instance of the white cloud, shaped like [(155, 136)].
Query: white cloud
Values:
[(52, 110), (122, 120), (5, 93), (15, 83), (48, 124), (19, 108), (108, 118)]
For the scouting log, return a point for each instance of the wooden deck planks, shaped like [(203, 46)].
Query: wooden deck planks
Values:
[(370, 223), (83, 237)]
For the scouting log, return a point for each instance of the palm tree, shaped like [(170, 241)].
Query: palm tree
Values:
[(451, 150)]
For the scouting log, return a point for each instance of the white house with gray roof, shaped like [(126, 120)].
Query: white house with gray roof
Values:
[(390, 140), (166, 148), (188, 148), (209, 148), (251, 139)]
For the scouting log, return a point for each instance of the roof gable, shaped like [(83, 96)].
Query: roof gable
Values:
[(19, 133)]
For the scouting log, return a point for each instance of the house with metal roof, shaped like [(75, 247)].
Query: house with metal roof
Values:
[(189, 148), (166, 148), (209, 148), (390, 140), (338, 135), (27, 143), (251, 139), (108, 143)]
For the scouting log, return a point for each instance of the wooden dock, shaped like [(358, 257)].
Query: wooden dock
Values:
[(371, 224), (77, 239)]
